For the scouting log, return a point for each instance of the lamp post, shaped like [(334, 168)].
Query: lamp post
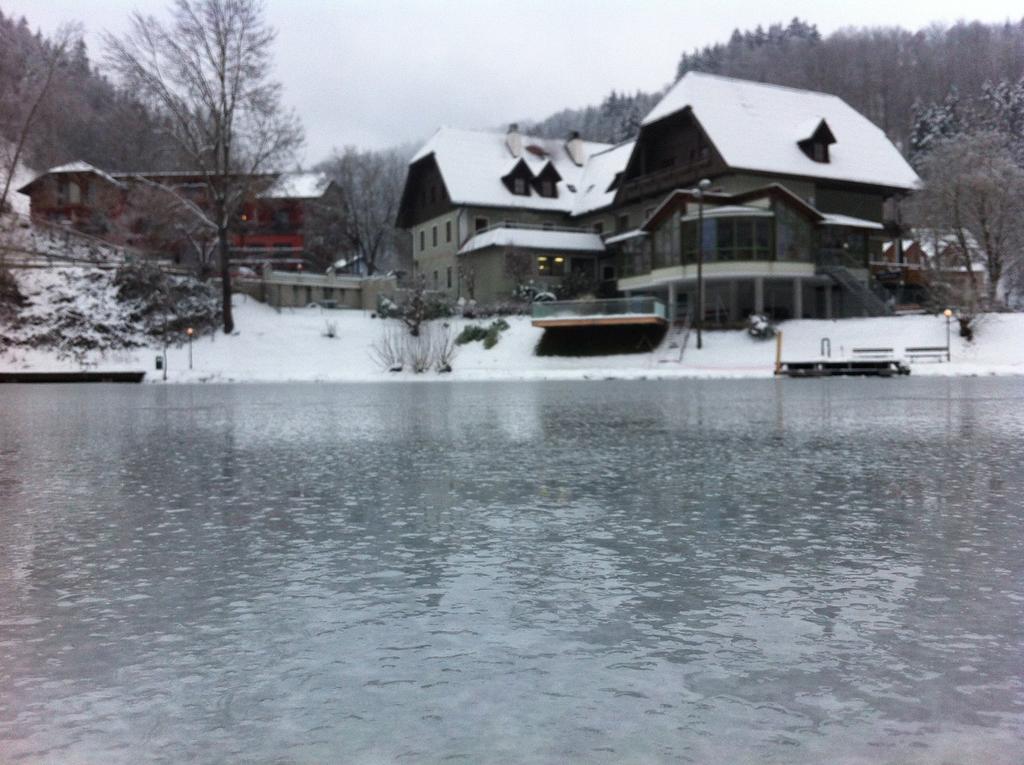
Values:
[(702, 186), (948, 314), (190, 332)]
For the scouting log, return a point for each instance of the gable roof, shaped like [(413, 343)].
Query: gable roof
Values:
[(73, 167), (297, 186), (755, 126), (472, 164), (594, 189)]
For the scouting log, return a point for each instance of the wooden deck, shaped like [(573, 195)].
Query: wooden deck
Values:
[(71, 377), (597, 321)]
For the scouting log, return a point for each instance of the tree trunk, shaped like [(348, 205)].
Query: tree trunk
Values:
[(225, 279)]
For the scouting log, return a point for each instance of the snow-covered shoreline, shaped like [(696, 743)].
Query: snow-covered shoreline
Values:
[(292, 346)]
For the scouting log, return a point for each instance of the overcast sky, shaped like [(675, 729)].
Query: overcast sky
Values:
[(374, 73)]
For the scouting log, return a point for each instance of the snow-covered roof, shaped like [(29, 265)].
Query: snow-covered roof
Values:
[(74, 167), (634, 234), (297, 186), (730, 211), (755, 126), (593, 191), (534, 239), (834, 219), (473, 163)]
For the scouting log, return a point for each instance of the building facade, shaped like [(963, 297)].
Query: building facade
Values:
[(788, 225), (151, 211)]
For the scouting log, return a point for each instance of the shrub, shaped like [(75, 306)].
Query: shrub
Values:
[(491, 339), (470, 334)]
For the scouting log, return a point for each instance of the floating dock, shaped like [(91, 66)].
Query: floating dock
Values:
[(71, 377), (843, 368)]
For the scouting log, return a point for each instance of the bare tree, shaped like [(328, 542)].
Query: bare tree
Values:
[(21, 100), (370, 190), (208, 71), (974, 190)]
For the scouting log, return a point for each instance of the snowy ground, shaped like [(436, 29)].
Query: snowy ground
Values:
[(291, 346)]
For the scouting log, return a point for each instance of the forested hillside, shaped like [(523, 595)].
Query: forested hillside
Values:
[(892, 75), (83, 115)]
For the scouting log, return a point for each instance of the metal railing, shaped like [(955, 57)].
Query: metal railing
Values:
[(632, 306)]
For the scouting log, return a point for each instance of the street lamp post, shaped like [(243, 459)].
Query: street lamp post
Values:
[(948, 314), (189, 332), (702, 186)]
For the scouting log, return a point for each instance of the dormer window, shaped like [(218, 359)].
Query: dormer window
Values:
[(815, 145), (546, 181), (519, 179)]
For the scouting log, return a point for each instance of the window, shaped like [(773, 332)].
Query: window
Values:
[(623, 222), (423, 240), (448, 231), (436, 281), (479, 224), (547, 189), (519, 187), (433, 236), (548, 226), (820, 152), (449, 277), (68, 193), (745, 238), (599, 228), (551, 266)]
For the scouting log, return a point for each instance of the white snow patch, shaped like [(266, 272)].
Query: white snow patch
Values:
[(290, 345)]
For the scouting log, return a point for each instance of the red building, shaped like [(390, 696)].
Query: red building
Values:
[(152, 210)]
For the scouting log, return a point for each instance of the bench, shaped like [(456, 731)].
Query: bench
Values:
[(935, 352), (872, 353)]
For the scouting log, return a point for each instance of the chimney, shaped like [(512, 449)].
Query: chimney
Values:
[(574, 148), (514, 140)]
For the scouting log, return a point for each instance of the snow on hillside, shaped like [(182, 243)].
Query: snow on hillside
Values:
[(18, 203), (291, 345), (78, 316)]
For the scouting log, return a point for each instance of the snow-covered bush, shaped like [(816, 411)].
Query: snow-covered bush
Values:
[(389, 349), (165, 305), (75, 309), (433, 348), (11, 299), (758, 326), (444, 347), (414, 306)]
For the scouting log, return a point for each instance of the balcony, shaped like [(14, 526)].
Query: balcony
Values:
[(598, 313)]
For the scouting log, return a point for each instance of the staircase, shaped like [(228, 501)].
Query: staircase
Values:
[(870, 304), (674, 345)]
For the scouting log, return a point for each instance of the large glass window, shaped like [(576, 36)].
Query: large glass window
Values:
[(743, 238), (793, 234)]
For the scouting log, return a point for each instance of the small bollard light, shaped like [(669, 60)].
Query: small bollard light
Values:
[(190, 332), (948, 313)]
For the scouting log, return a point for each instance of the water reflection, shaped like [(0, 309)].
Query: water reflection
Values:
[(709, 571)]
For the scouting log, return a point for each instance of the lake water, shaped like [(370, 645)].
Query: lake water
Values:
[(793, 571)]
